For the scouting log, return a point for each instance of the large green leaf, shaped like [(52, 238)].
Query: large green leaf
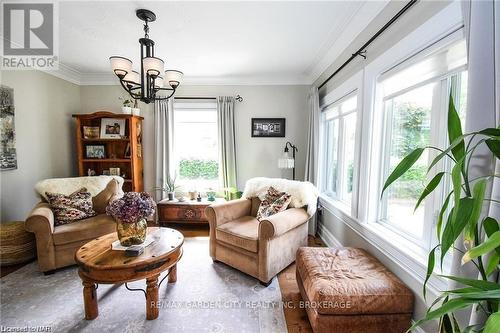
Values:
[(431, 261), (478, 197), (456, 180), (492, 324), (494, 145), (429, 188), (491, 226), (479, 284), (455, 130), (491, 132), (439, 223), (492, 265), (488, 245), (454, 227), (403, 166), (447, 307)]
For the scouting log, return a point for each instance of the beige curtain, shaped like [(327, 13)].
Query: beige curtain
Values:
[(227, 141), (482, 28), (311, 168), (163, 140)]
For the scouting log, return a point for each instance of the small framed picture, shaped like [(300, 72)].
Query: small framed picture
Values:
[(105, 172), (91, 132), (268, 127), (95, 151), (112, 128), (114, 171)]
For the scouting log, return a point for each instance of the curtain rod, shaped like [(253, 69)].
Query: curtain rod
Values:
[(237, 98), (362, 50)]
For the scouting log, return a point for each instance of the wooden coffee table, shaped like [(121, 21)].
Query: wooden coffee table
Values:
[(98, 263)]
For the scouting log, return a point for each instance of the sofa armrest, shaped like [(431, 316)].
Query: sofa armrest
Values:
[(282, 222), (221, 213), (41, 219)]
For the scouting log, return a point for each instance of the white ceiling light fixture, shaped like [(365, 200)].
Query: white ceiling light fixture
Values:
[(148, 85)]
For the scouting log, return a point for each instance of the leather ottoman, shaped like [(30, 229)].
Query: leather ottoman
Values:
[(347, 290)]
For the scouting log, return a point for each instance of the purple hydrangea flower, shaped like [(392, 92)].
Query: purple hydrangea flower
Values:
[(132, 207)]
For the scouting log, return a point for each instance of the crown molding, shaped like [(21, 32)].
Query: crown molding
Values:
[(74, 76), (354, 25)]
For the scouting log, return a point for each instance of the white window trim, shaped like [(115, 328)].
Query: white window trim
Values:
[(440, 25), (353, 85)]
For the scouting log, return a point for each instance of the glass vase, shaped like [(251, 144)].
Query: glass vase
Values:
[(131, 233)]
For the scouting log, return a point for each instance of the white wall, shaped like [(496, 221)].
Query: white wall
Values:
[(44, 137), (255, 156)]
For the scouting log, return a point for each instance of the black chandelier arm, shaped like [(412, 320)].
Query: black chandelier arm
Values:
[(129, 90)]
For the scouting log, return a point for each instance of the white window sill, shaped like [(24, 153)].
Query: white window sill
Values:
[(409, 256)]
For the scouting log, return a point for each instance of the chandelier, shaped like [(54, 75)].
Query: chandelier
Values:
[(151, 82)]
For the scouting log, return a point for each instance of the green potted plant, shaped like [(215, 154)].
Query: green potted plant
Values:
[(126, 105), (170, 187), (460, 217)]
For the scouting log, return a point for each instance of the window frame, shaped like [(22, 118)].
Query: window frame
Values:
[(351, 87), (180, 105)]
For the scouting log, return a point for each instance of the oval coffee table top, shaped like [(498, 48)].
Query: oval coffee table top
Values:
[(98, 255)]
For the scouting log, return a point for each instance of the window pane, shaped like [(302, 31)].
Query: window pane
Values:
[(332, 134), (409, 128), (349, 146), (195, 147)]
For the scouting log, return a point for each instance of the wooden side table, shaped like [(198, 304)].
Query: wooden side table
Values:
[(189, 211), (98, 263)]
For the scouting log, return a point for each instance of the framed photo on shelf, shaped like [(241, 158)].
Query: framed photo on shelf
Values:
[(91, 132), (112, 128), (268, 127), (95, 151), (114, 171)]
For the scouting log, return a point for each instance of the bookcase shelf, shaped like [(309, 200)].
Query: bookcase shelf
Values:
[(125, 153)]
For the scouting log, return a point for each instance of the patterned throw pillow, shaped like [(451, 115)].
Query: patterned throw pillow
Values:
[(273, 203), (277, 206), (271, 196), (71, 208)]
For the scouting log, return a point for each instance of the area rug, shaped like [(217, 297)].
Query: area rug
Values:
[(207, 297)]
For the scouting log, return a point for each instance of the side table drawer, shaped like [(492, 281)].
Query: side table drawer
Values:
[(172, 213)]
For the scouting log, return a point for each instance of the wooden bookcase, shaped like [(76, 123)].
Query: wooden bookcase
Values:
[(125, 152)]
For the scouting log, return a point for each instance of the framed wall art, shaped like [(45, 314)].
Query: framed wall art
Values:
[(268, 127)]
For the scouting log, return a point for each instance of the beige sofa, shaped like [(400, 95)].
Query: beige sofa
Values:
[(260, 249), (56, 245)]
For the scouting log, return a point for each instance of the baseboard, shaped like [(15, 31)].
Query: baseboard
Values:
[(327, 237)]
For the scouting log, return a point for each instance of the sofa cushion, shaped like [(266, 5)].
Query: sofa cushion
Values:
[(242, 232), (349, 281), (111, 192), (87, 229), (70, 208), (67, 186)]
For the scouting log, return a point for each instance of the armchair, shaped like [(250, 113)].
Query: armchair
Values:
[(261, 249), (56, 245)]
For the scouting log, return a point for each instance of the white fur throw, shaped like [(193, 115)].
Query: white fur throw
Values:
[(67, 186), (303, 193)]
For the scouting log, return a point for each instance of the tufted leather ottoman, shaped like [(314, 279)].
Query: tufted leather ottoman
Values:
[(346, 290)]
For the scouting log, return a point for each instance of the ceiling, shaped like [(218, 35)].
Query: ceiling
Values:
[(212, 42)]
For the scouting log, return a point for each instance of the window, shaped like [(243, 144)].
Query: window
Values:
[(415, 107), (339, 123), (196, 145)]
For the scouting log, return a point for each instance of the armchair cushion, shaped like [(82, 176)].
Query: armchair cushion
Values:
[(84, 229), (241, 232)]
